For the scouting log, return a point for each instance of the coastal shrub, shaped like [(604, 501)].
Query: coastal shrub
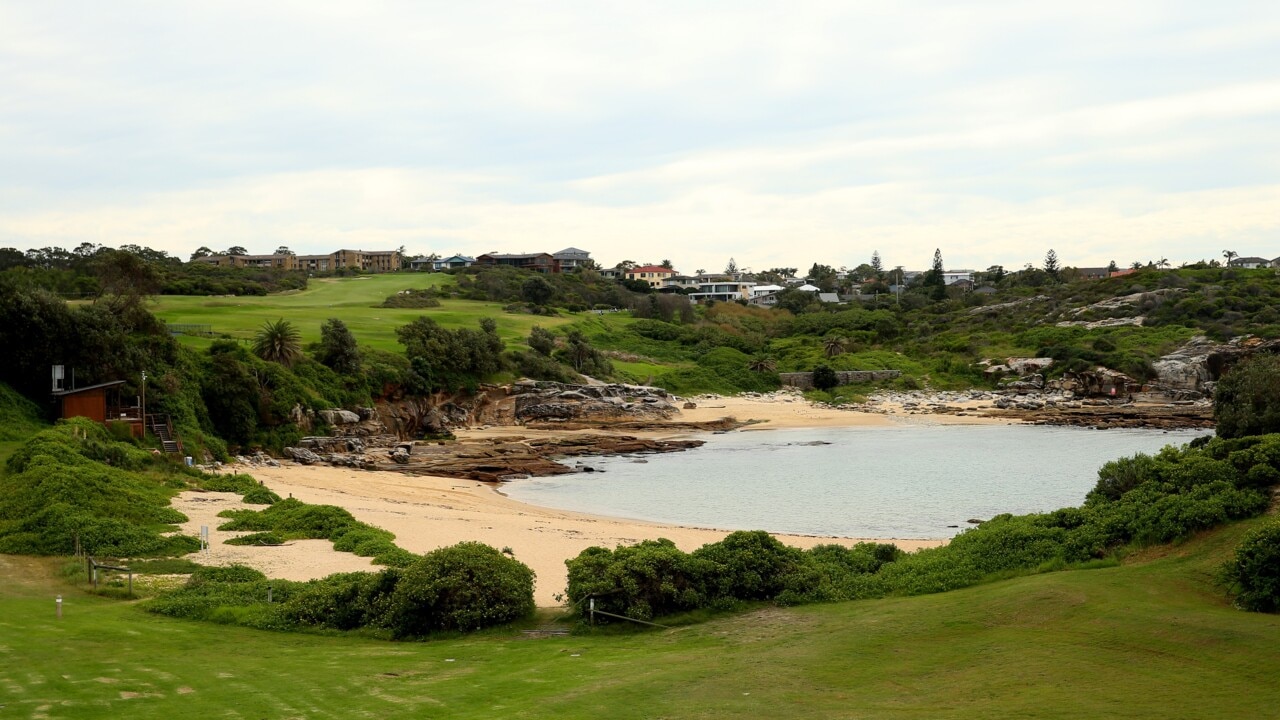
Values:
[(1247, 398), (19, 417), (57, 489), (344, 601), (292, 519), (464, 587), (1254, 573), (259, 538), (642, 581), (261, 495), (748, 565)]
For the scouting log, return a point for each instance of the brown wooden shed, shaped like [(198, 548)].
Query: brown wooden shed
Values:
[(100, 403)]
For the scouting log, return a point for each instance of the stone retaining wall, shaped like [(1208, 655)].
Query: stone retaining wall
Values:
[(804, 380)]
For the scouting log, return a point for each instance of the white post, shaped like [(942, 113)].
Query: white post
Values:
[(59, 604)]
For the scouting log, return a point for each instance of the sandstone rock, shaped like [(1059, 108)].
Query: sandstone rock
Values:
[(302, 455)]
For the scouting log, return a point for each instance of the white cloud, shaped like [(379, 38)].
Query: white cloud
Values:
[(780, 134)]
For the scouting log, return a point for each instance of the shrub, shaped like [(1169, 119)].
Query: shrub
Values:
[(641, 581), (463, 587), (1247, 399), (749, 565), (1255, 571), (824, 378)]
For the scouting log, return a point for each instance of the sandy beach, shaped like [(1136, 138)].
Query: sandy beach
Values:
[(431, 512)]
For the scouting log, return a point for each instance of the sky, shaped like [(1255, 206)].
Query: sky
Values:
[(778, 134)]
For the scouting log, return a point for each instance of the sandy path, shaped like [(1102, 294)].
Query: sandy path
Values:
[(429, 512)]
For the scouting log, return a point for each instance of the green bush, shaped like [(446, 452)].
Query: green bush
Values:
[(463, 587), (57, 489), (1254, 573), (259, 538), (748, 565), (642, 581), (1247, 398)]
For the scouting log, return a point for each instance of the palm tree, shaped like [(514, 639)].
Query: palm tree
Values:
[(1230, 255), (278, 341), (835, 345), (762, 364)]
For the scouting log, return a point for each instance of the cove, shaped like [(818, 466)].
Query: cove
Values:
[(910, 481)]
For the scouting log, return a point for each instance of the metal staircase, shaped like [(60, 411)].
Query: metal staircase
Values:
[(162, 428)]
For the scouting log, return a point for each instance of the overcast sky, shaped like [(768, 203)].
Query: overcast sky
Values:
[(780, 134)]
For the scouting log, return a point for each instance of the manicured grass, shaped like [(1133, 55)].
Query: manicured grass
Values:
[(1149, 639), (355, 301)]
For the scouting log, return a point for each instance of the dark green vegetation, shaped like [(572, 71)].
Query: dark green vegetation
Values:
[(1143, 500), (1254, 573), (291, 519), (1247, 399), (464, 587), (1152, 638)]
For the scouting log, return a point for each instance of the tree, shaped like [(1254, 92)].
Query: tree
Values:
[(283, 250), (1051, 266), (762, 364), (536, 290), (1230, 255), (236, 250), (338, 349), (835, 345), (1112, 267), (1247, 398), (731, 268), (935, 279), (824, 378), (995, 273), (876, 263), (278, 342), (124, 279), (824, 276), (667, 264), (542, 341), (201, 252)]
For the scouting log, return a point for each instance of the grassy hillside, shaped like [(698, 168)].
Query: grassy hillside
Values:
[(1150, 639), (19, 420), (356, 301)]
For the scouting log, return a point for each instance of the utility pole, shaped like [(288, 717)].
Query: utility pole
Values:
[(144, 404)]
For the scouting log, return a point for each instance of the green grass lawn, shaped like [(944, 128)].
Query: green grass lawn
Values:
[(355, 301), (1150, 639)]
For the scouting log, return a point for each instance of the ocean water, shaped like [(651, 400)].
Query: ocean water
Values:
[(912, 481)]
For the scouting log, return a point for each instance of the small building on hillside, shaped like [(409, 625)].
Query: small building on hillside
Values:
[(538, 262), (1250, 263), (572, 258), (654, 275), (453, 262), (101, 403)]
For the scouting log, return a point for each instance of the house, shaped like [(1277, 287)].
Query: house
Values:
[(453, 262), (985, 290), (676, 283), (809, 288), (765, 290), (768, 299), (1250, 263), (655, 275), (723, 291), (538, 262), (832, 298), (951, 277), (1092, 273), (101, 403), (1121, 273), (572, 258), (374, 261), (422, 263)]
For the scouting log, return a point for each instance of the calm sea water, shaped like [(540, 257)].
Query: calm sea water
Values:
[(904, 482)]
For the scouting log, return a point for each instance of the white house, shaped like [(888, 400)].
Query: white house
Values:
[(759, 290), (1250, 263), (951, 277), (454, 261), (723, 291)]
